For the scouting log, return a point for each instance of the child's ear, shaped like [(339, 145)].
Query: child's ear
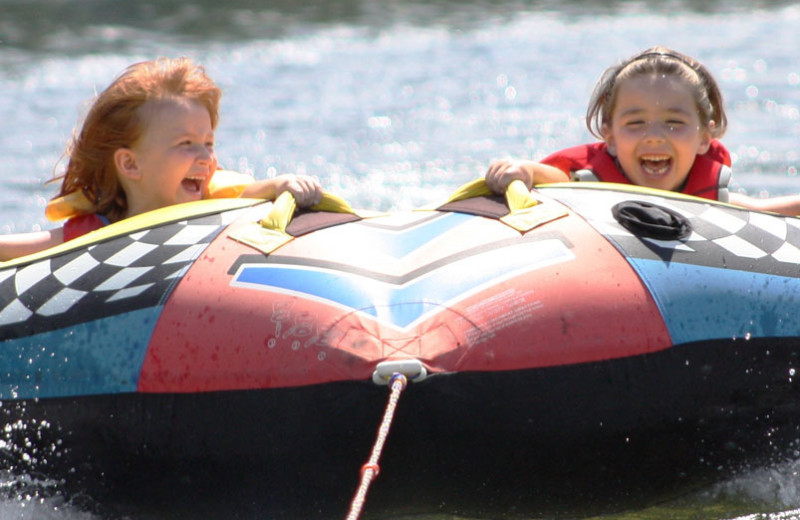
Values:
[(705, 142), (608, 137), (125, 161)]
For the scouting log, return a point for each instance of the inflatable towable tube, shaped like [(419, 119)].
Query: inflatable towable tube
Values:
[(585, 345)]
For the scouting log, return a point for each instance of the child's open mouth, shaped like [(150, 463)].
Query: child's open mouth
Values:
[(656, 164), (193, 184)]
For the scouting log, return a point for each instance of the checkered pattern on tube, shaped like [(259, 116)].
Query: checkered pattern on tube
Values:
[(722, 236), (118, 275)]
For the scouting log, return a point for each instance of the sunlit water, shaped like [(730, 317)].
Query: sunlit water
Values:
[(393, 105)]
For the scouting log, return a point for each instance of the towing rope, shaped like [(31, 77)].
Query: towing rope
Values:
[(371, 469)]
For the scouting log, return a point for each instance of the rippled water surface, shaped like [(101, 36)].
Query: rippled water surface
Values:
[(393, 104)]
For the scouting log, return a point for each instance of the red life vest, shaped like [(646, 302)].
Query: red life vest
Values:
[(708, 178), (82, 224)]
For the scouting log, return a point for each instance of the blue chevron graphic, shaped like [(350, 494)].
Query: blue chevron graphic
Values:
[(414, 236), (402, 305)]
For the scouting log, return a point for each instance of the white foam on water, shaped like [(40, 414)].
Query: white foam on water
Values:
[(29, 498)]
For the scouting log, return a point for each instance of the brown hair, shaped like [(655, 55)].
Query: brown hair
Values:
[(114, 121), (660, 61)]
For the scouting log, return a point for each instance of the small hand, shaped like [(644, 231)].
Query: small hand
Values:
[(501, 173), (307, 190)]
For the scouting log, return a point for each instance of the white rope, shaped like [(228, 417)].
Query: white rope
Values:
[(371, 469)]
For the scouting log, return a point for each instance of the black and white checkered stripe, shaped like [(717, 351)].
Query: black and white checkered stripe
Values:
[(122, 274), (722, 236)]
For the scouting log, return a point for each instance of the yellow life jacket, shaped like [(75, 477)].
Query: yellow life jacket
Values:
[(225, 184)]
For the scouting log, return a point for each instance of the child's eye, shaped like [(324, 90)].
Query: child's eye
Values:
[(634, 125)]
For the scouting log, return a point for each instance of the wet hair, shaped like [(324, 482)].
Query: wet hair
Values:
[(115, 121), (658, 61)]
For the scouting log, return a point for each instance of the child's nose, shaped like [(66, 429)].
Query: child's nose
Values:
[(655, 131), (205, 153)]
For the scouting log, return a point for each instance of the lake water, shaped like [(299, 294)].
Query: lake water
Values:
[(393, 104)]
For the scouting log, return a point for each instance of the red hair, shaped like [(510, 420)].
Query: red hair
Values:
[(115, 121)]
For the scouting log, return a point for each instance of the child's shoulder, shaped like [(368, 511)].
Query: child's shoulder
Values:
[(717, 152), (574, 157), (228, 184)]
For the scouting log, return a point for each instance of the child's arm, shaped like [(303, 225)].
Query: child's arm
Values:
[(13, 246), (786, 205), (306, 190), (501, 173)]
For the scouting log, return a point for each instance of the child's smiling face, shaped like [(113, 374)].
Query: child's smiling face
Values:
[(655, 131), (173, 160)]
